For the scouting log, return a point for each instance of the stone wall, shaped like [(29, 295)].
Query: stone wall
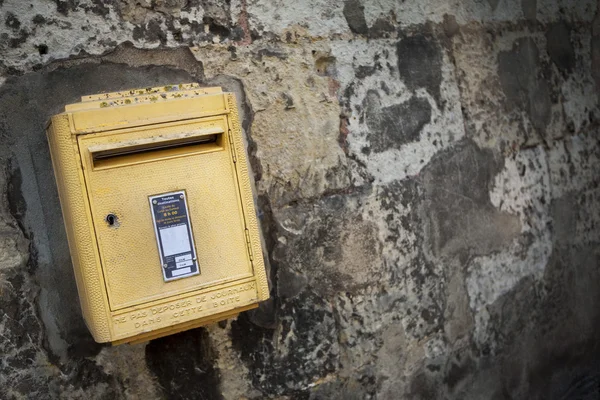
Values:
[(427, 180)]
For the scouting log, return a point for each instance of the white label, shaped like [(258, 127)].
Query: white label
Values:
[(185, 263), (174, 235), (183, 258), (175, 240), (183, 271)]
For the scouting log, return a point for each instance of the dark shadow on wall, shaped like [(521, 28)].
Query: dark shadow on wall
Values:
[(184, 365)]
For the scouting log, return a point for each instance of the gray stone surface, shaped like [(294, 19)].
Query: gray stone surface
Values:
[(427, 178)]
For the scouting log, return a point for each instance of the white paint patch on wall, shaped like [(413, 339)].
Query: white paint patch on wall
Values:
[(318, 17), (93, 32), (574, 164), (522, 188), (527, 187), (81, 30), (413, 12), (444, 129), (322, 17)]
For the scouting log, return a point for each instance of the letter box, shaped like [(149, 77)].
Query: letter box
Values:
[(158, 208)]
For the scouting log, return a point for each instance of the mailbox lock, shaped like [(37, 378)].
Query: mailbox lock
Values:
[(111, 219)]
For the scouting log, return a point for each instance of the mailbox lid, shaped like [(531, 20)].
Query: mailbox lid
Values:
[(138, 107), (122, 186)]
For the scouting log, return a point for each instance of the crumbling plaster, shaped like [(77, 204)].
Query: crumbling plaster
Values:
[(427, 182)]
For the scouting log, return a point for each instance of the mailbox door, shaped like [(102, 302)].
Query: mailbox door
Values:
[(124, 168)]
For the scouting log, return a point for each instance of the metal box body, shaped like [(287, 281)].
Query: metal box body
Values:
[(111, 154)]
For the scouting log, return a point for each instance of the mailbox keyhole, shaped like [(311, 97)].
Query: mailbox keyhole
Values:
[(111, 220)]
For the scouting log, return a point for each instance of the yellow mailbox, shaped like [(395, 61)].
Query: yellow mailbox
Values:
[(158, 209)]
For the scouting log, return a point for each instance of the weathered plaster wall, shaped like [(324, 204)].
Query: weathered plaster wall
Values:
[(427, 180)]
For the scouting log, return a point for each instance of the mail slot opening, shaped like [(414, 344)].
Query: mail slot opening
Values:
[(142, 151)]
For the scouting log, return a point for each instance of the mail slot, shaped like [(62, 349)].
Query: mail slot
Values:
[(158, 208)]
